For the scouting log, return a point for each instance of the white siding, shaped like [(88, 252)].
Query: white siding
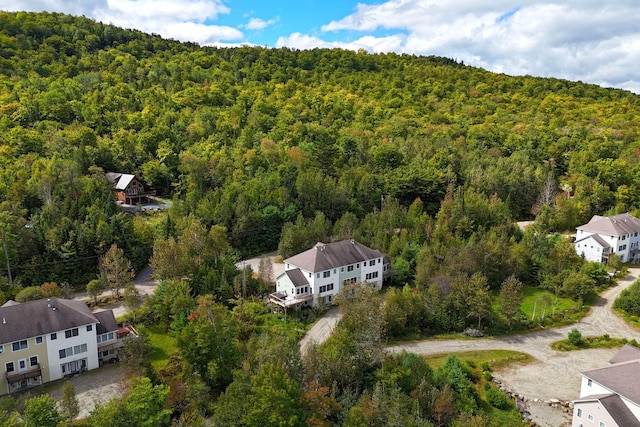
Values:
[(61, 342)]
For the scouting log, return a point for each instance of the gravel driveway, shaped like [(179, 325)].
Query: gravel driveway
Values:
[(553, 374)]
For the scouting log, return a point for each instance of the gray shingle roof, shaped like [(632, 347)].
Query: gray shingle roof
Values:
[(616, 408), (597, 238), (626, 354), (107, 321), (40, 317), (622, 378), (297, 277), (333, 255), (617, 225)]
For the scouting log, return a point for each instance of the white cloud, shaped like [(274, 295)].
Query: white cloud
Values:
[(185, 20), (592, 41), (259, 24), (368, 43)]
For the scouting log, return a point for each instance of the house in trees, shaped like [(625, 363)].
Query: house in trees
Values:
[(48, 339), (610, 396), (603, 236), (314, 277), (129, 189)]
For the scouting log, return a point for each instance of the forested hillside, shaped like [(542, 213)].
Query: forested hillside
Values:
[(251, 139)]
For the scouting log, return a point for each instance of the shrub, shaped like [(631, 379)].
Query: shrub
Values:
[(497, 398), (575, 337)]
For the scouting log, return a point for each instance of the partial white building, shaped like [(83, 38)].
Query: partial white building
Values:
[(610, 396), (47, 339), (316, 276), (603, 236)]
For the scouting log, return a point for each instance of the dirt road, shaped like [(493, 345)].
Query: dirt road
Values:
[(553, 374)]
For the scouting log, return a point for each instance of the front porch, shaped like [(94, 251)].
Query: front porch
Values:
[(24, 379), (281, 300)]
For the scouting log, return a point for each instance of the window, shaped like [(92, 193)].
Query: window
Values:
[(38, 340), (54, 336), (1, 349), (590, 417), (334, 271), (589, 382), (80, 349), (318, 275), (372, 262), (309, 274), (370, 276), (379, 260), (71, 333), (325, 288), (341, 269), (22, 364), (19, 345), (33, 361), (358, 265), (602, 424), (65, 352), (326, 274), (9, 367), (579, 413), (89, 328), (350, 268)]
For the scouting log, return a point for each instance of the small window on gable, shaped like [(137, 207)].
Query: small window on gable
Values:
[(589, 382)]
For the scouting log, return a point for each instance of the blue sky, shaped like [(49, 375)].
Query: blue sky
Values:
[(591, 41)]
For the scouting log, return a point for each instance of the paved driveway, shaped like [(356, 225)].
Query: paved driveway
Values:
[(321, 330)]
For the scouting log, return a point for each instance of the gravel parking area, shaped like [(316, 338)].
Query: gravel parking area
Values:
[(553, 375), (93, 388)]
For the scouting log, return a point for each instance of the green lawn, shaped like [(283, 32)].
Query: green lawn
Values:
[(162, 344), (544, 303), (494, 358)]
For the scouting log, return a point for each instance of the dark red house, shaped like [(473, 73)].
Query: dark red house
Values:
[(129, 189)]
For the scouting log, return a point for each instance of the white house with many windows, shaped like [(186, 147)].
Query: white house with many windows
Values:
[(610, 396), (47, 339), (604, 236), (316, 276)]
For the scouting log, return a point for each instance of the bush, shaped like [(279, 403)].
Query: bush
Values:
[(575, 337), (497, 398)]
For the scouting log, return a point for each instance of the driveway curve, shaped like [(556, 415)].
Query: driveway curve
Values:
[(553, 374)]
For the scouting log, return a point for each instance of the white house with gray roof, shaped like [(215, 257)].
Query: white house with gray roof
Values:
[(47, 339), (610, 396), (316, 276), (603, 236)]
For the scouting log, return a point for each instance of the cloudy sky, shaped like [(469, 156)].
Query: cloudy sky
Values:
[(595, 41)]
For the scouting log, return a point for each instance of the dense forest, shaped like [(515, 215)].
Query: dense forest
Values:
[(426, 159)]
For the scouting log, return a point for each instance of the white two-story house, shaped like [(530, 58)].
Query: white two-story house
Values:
[(316, 276), (603, 236), (610, 396), (47, 339)]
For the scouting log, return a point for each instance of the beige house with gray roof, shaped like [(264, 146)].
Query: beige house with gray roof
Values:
[(314, 277), (610, 396), (603, 236), (48, 339)]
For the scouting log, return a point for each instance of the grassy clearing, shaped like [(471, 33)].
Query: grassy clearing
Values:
[(496, 359), (539, 303), (600, 341), (162, 344)]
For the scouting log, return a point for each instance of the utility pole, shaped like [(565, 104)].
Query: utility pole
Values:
[(381, 202)]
